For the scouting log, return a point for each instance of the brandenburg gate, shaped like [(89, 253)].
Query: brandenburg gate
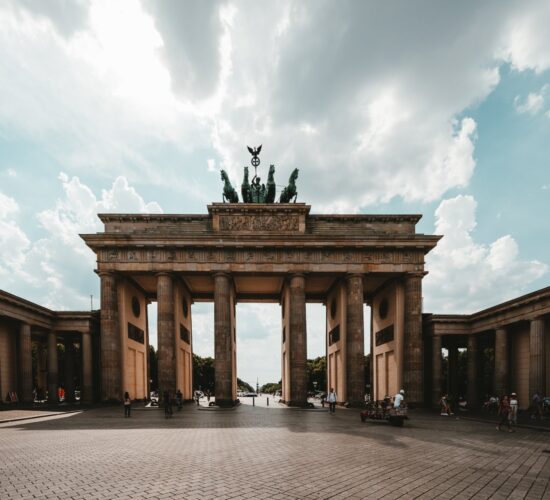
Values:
[(262, 253)]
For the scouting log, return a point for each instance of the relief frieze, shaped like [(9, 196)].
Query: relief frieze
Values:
[(261, 256), (261, 223)]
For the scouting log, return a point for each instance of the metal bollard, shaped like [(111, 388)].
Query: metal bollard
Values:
[(267, 401), (253, 401)]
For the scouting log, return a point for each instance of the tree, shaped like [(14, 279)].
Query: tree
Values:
[(271, 387), (203, 373), (317, 374), (153, 368), (244, 386)]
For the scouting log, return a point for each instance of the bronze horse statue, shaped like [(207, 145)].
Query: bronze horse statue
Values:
[(229, 193), (290, 192), (270, 195), (245, 187)]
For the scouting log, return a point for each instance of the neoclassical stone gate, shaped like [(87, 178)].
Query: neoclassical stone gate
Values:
[(262, 253)]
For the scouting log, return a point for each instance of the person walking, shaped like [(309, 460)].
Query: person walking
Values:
[(167, 404), (127, 404), (179, 399), (514, 405), (536, 406), (504, 412), (332, 398)]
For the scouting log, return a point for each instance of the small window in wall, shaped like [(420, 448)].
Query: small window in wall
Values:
[(383, 309), (136, 333), (333, 308), (334, 335), (185, 308), (185, 335), (136, 308), (385, 335)]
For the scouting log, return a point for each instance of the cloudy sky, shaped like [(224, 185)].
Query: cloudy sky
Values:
[(439, 108)]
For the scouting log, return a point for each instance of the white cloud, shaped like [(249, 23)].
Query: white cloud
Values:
[(526, 38), (57, 270), (371, 94), (465, 276), (533, 103), (13, 241)]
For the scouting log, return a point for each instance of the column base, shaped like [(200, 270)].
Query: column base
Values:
[(295, 402), (358, 403), (225, 403)]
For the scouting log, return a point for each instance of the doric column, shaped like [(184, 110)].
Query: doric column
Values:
[(472, 371), (223, 344), (413, 356), (87, 396), (52, 367), (25, 363), (452, 372), (111, 370), (297, 338), (436, 370), (41, 368), (501, 362), (166, 334), (536, 357), (69, 369), (355, 341)]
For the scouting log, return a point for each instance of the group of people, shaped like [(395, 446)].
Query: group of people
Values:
[(167, 402), (508, 412)]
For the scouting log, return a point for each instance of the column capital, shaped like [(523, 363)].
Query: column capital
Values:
[(164, 273), (415, 274), (225, 274), (296, 274), (350, 276), (106, 274)]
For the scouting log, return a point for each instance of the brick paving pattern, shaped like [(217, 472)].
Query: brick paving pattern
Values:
[(267, 453)]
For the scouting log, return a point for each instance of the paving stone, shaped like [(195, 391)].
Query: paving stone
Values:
[(260, 453)]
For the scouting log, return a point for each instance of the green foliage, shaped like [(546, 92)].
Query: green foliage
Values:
[(203, 373), (271, 387), (243, 386), (204, 379), (153, 367), (317, 372)]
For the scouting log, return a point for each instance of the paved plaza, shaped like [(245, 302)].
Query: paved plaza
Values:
[(260, 452)]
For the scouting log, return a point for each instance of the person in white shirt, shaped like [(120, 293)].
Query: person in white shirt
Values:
[(332, 398), (398, 399), (513, 415)]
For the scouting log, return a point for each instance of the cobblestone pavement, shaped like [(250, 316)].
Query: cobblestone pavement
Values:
[(260, 453)]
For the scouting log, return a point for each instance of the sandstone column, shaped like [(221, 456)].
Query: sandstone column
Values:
[(355, 341), (69, 369), (436, 370), (413, 356), (536, 357), (501, 362), (41, 369), (25, 363), (111, 370), (223, 346), (452, 372), (297, 338), (166, 334), (473, 356), (86, 395), (52, 367)]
